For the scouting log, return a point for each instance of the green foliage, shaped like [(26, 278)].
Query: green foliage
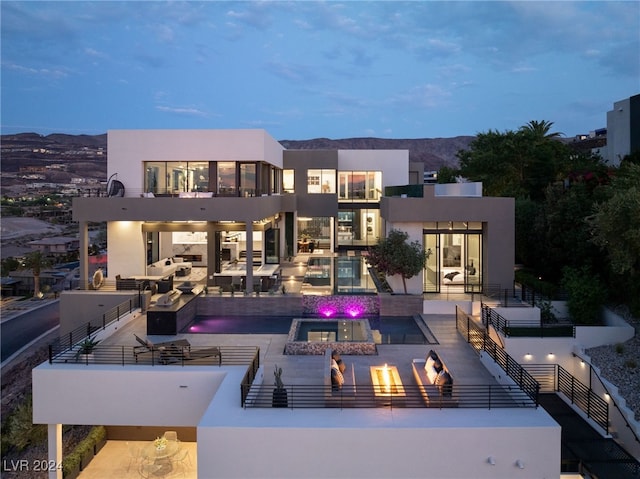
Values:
[(19, 430), (394, 255), (528, 278), (447, 174), (615, 225), (71, 463), (586, 295), (8, 265), (86, 346)]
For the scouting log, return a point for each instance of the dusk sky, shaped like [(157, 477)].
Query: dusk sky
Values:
[(304, 69)]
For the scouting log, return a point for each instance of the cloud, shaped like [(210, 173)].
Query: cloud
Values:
[(182, 111), (51, 73), (427, 96), (291, 71)]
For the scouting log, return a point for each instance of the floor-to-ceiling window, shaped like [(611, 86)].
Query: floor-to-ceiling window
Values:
[(247, 179), (358, 227), (227, 180), (314, 233), (359, 186), (454, 256)]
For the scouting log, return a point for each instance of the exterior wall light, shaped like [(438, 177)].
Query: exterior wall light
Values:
[(519, 464), (491, 460)]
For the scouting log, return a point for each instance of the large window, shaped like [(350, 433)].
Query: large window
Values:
[(455, 256), (321, 181), (247, 179), (359, 185), (358, 227), (288, 183), (227, 184), (163, 177)]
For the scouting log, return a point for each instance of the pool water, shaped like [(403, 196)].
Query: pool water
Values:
[(393, 330)]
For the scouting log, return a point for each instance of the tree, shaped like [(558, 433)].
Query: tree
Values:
[(394, 255), (35, 261), (540, 129)]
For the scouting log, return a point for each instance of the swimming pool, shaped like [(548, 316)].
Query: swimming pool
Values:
[(393, 330)]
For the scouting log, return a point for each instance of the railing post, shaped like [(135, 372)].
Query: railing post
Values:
[(50, 354)]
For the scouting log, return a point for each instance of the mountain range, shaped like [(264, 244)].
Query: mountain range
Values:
[(87, 154)]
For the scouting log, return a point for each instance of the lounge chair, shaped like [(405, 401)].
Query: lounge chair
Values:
[(166, 350)]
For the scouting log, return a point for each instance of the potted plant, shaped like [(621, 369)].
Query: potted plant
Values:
[(279, 393), (85, 348)]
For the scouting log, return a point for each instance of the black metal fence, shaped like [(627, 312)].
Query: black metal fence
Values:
[(555, 378), (479, 339), (522, 328), (368, 396), (66, 341), (167, 356)]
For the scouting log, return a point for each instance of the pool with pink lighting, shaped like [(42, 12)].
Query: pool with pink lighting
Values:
[(345, 335)]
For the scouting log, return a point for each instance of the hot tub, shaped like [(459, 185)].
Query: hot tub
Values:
[(315, 335)]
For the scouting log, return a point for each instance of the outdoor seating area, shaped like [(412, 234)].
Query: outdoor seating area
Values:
[(164, 456)]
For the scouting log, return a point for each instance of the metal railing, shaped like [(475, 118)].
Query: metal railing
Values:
[(525, 328), (173, 356), (479, 339), (407, 396), (555, 378), (68, 340)]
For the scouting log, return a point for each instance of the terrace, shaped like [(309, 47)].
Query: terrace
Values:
[(242, 355)]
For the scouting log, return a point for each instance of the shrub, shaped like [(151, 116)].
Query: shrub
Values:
[(619, 348), (20, 430), (586, 295)]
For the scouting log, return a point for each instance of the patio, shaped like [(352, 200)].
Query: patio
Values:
[(114, 460)]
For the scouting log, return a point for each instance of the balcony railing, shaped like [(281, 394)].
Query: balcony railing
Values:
[(529, 329), (557, 379), (479, 339), (479, 396), (211, 355)]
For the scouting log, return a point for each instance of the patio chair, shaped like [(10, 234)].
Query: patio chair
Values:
[(166, 350), (181, 459), (135, 454), (171, 436)]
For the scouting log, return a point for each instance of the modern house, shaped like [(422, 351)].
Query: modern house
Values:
[(216, 198), (623, 129), (236, 205)]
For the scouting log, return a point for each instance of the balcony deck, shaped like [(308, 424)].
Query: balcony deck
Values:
[(459, 357)]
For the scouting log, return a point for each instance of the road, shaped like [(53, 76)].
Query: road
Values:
[(18, 332)]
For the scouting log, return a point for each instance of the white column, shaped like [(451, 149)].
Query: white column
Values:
[(55, 450)]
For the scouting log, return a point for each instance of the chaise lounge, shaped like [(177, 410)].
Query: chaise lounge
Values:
[(166, 350)]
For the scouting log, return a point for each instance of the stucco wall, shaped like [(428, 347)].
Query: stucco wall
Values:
[(114, 395)]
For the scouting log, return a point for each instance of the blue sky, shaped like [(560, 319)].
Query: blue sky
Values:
[(307, 69)]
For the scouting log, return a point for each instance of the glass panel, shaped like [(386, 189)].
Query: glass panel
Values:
[(452, 250), (431, 283), (313, 181), (200, 173), (276, 180), (321, 181), (177, 177), (314, 233), (227, 178), (473, 262), (288, 184), (272, 245), (345, 227), (247, 179), (155, 177), (358, 179)]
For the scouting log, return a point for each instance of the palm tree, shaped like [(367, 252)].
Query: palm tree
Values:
[(35, 261), (540, 129)]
